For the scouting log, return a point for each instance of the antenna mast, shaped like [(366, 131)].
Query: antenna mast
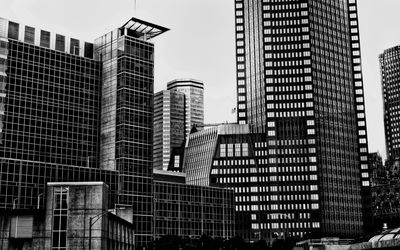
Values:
[(134, 7)]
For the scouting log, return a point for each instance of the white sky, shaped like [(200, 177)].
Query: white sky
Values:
[(201, 42)]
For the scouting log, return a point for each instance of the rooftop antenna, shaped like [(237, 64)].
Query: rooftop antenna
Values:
[(134, 7)]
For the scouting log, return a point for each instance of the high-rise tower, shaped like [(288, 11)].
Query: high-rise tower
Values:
[(126, 128), (390, 73), (169, 127), (299, 81), (194, 101)]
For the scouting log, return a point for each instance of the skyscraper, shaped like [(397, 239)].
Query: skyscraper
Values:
[(77, 111), (194, 101), (299, 81), (126, 128), (390, 73), (169, 127)]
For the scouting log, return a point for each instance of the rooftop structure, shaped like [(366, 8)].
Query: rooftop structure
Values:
[(141, 29)]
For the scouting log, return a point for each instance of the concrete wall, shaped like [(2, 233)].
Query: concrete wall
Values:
[(84, 201)]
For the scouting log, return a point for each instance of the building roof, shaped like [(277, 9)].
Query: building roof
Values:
[(78, 183), (185, 82), (145, 28)]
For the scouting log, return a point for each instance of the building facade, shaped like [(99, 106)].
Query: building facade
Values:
[(75, 217), (194, 101), (169, 127), (230, 156), (126, 128), (77, 111), (189, 210), (50, 119), (390, 67), (299, 81)]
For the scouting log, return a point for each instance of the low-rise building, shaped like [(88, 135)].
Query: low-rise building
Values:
[(193, 211), (76, 217)]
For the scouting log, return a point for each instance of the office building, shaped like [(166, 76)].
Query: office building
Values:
[(126, 128), (177, 111), (78, 111), (169, 128), (230, 156), (194, 101), (189, 210), (390, 67), (299, 81), (76, 216)]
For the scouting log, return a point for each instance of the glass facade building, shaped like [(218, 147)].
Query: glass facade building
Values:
[(126, 129), (299, 81), (189, 210), (390, 74), (169, 128), (77, 111)]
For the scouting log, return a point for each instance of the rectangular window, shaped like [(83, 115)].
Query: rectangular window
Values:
[(88, 50), (230, 150), (237, 150), (74, 47), (60, 42), (29, 35), (45, 38), (222, 150), (13, 30), (245, 149), (60, 216)]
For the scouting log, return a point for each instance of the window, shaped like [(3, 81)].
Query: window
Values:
[(74, 47), (176, 161), (13, 30), (365, 183), (45, 38), (237, 149), (60, 215), (245, 150), (222, 150), (316, 225), (88, 50), (60, 42), (29, 35), (230, 150)]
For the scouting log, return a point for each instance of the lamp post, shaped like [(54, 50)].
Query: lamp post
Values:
[(92, 221), (38, 200), (14, 203)]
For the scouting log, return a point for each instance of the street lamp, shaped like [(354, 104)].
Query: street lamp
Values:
[(92, 221), (38, 200), (14, 203)]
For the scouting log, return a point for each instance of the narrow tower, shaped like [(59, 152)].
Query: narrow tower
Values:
[(126, 129)]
